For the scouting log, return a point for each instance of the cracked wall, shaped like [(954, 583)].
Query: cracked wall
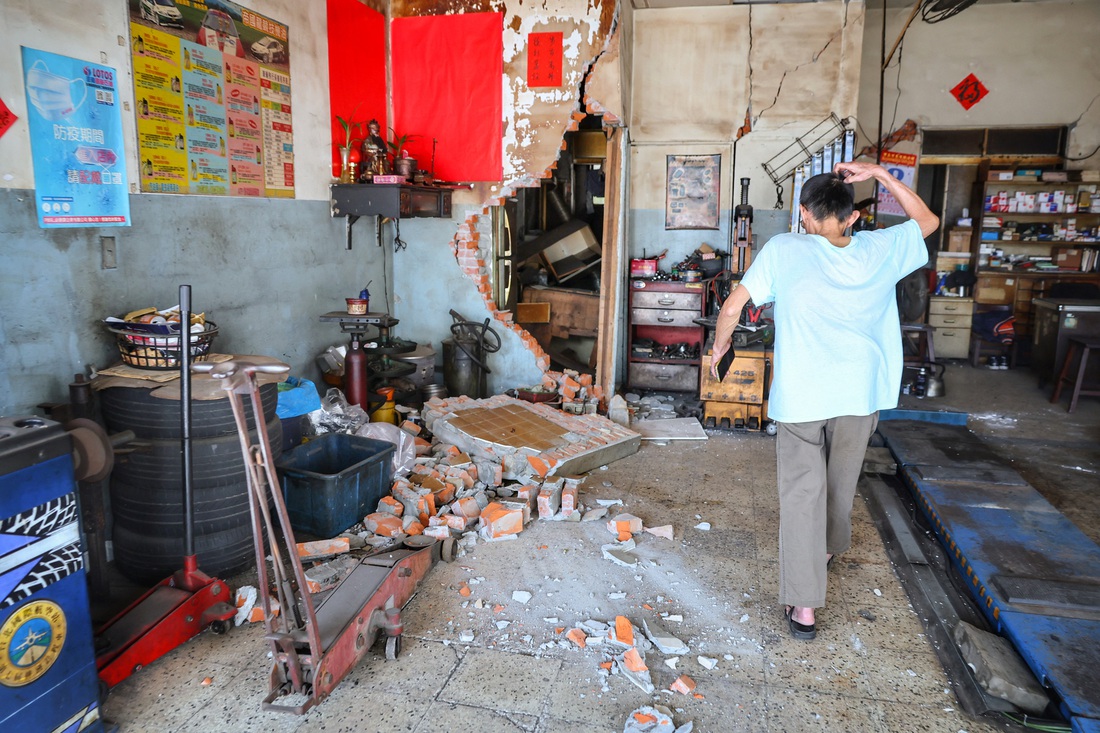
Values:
[(534, 123), (741, 81), (1040, 62)]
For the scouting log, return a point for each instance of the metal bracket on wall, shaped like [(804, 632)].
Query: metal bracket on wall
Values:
[(781, 165)]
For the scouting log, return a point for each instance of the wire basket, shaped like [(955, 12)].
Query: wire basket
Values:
[(143, 350)]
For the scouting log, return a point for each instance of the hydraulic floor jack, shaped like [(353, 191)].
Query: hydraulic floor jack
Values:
[(314, 646)]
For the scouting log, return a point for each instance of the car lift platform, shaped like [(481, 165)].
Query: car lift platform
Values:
[(1033, 574)]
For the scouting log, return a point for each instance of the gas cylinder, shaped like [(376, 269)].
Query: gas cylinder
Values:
[(355, 374)]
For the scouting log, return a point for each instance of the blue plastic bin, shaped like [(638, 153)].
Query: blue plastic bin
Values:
[(333, 481)]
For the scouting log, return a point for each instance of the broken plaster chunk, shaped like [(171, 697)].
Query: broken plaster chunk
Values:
[(666, 643), (703, 526), (617, 554), (246, 600), (707, 662), (617, 596), (521, 595), (594, 514), (466, 636), (664, 531), (642, 679), (671, 662)]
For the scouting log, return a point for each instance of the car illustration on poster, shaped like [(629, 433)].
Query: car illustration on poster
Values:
[(219, 31), (269, 51), (161, 12)]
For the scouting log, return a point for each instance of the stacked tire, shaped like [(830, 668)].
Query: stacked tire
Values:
[(147, 483)]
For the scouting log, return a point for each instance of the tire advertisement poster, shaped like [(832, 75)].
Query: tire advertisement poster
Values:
[(212, 98)]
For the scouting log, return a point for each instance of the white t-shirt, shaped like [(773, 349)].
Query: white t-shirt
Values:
[(837, 332)]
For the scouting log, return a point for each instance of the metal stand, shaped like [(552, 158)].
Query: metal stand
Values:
[(378, 349), (314, 646)]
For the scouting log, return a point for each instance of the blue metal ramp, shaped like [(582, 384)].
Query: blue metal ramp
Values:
[(1035, 576)]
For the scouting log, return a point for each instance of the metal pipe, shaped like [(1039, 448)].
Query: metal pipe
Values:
[(185, 420)]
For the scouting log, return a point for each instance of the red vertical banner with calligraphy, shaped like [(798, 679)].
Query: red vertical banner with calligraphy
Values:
[(544, 57)]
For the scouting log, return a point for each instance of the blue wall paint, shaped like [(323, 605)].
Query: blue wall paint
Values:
[(263, 270), (428, 284), (648, 235)]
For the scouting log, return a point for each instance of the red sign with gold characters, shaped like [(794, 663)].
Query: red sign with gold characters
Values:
[(969, 91), (544, 59)]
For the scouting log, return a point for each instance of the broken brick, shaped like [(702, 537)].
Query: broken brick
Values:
[(549, 503), (624, 631), (569, 501), (439, 532), (466, 507), (627, 523), (324, 548), (498, 520), (633, 660), (390, 505), (386, 525), (683, 684), (578, 637)]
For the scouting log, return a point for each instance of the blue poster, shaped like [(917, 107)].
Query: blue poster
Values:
[(75, 121)]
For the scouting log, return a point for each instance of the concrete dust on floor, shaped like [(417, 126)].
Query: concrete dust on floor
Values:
[(870, 669)]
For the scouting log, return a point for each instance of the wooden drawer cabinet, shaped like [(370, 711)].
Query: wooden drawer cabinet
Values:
[(950, 319), (662, 315)]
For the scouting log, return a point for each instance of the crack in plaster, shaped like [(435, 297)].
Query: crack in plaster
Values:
[(1086, 111), (813, 60)]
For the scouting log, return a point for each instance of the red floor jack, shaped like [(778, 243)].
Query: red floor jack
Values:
[(180, 607), (313, 646)]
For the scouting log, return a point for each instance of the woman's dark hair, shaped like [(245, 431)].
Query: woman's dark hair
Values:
[(827, 195)]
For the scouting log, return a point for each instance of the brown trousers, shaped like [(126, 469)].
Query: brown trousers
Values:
[(818, 465)]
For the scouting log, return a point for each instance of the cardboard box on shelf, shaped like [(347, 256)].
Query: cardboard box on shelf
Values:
[(958, 240), (1068, 258)]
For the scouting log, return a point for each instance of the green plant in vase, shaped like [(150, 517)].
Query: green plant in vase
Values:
[(348, 147), (403, 164)]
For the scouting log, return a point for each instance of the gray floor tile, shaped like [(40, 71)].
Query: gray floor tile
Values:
[(795, 709), (442, 716), (502, 681)]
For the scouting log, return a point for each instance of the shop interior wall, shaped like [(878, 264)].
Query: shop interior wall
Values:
[(263, 269), (741, 81), (427, 281), (1039, 60)]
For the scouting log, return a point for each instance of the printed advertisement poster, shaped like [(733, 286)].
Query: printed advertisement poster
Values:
[(76, 141), (201, 83), (902, 166)]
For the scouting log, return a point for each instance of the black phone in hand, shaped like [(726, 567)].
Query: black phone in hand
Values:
[(725, 363)]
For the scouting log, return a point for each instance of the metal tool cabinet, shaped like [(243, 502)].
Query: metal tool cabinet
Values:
[(664, 312)]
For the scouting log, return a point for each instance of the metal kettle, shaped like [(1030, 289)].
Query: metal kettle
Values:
[(935, 387)]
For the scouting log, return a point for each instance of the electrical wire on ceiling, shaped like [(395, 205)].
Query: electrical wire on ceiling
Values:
[(935, 11)]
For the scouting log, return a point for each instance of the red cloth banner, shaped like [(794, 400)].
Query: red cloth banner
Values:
[(544, 59), (356, 66), (447, 78)]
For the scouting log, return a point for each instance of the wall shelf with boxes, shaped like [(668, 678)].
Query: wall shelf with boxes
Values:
[(665, 343), (1048, 220), (1033, 228)]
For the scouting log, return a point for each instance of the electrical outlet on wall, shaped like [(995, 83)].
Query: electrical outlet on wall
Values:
[(109, 253)]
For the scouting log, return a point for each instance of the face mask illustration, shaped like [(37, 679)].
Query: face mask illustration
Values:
[(53, 96)]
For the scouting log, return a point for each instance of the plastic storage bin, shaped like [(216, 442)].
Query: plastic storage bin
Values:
[(333, 481)]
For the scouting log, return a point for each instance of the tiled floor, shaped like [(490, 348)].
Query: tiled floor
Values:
[(870, 668)]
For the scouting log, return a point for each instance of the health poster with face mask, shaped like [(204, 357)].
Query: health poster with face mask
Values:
[(75, 126)]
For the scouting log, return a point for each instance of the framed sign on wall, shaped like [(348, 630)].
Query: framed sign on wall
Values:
[(692, 186)]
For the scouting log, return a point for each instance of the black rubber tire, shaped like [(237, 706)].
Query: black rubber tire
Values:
[(159, 512), (149, 559), (135, 408), (157, 464)]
